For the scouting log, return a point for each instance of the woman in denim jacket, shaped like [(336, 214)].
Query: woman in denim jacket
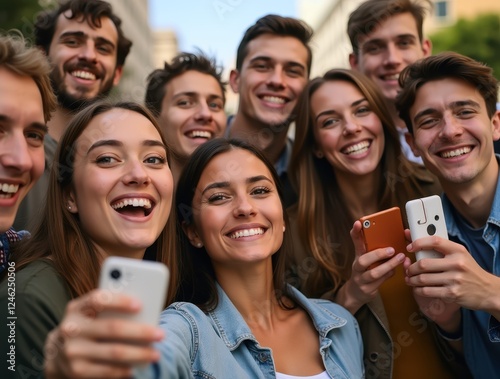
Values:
[(240, 319)]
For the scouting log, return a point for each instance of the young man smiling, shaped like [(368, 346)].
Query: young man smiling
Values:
[(448, 103), (386, 36), (26, 101), (86, 48), (272, 67)]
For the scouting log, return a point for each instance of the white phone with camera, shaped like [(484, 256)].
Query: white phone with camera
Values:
[(145, 280), (426, 218)]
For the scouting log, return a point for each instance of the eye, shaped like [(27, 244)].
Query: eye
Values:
[(428, 123), (105, 49), (372, 49), (362, 111), (215, 105), (295, 72), (329, 122), (156, 160), (35, 138), (465, 113), (185, 103), (106, 160), (262, 190), (218, 197)]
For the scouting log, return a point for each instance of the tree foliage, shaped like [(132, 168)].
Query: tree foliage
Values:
[(478, 38), (19, 14)]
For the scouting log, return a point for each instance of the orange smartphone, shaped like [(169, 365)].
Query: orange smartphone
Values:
[(384, 229)]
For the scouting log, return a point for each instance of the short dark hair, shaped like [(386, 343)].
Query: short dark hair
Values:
[(280, 26), (442, 66), (155, 90), (92, 11), (197, 284), (370, 14)]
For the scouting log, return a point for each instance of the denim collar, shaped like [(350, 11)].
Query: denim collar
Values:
[(450, 213), (227, 314)]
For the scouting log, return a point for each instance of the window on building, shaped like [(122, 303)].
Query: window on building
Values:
[(441, 8)]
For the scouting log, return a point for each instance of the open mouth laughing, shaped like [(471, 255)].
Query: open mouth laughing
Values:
[(135, 207), (246, 233), (456, 152), (357, 148), (204, 134)]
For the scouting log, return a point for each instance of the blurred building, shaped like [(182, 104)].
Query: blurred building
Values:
[(139, 63), (331, 46), (165, 46)]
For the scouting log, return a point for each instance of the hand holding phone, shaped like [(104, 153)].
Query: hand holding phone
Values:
[(384, 229), (145, 280), (426, 218)]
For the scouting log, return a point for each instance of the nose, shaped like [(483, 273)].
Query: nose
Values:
[(351, 125), (88, 51), (276, 78), (244, 207), (203, 113), (451, 127), (393, 55), (15, 154), (136, 174)]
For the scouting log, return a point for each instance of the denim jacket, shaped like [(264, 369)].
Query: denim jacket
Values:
[(481, 363), (220, 344)]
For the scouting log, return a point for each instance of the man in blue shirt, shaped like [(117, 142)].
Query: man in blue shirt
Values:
[(448, 103)]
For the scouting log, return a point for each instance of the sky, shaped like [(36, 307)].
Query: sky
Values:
[(214, 26)]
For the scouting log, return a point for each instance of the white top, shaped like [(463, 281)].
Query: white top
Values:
[(322, 375)]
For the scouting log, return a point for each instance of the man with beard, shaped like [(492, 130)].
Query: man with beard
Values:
[(273, 63), (86, 48)]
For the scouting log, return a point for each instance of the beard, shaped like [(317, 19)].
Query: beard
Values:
[(74, 103)]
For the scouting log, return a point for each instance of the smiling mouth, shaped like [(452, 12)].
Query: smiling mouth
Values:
[(358, 148), (81, 74), (136, 207), (274, 99), (205, 134), (7, 191), (246, 233), (455, 153), (390, 77)]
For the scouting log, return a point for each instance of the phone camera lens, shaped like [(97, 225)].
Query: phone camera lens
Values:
[(115, 274), (436, 217), (366, 224), (431, 230)]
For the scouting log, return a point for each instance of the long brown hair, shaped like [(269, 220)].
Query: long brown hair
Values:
[(323, 217), (59, 236)]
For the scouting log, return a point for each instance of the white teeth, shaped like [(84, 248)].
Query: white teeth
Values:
[(456, 153), (9, 188), (246, 233), (357, 148), (136, 202), (84, 75), (274, 99), (391, 77), (200, 134)]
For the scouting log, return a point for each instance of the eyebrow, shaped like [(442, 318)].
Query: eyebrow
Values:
[(269, 59), (329, 112), (194, 94), (226, 184), (80, 34), (116, 143), (454, 104), (37, 125), (383, 40)]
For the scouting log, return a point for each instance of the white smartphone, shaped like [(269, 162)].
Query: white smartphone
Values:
[(144, 280), (426, 218)]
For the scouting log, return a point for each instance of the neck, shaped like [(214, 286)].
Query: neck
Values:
[(359, 192), (473, 200), (250, 288), (270, 139), (59, 122)]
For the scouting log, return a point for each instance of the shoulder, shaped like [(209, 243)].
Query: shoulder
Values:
[(38, 282)]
